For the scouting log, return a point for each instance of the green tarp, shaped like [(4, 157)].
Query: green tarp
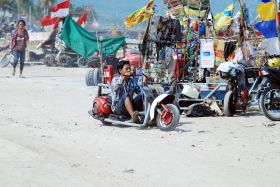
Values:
[(84, 43)]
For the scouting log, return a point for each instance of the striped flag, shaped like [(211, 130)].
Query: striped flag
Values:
[(61, 9)]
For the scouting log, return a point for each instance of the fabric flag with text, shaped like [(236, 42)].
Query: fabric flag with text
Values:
[(140, 15), (61, 9)]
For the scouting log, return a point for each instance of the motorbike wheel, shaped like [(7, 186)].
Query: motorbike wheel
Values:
[(65, 61), (170, 121), (229, 105), (82, 62), (265, 104), (49, 60)]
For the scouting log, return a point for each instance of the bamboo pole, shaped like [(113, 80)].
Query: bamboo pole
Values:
[(198, 44)]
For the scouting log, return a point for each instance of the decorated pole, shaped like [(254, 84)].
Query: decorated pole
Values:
[(198, 43)]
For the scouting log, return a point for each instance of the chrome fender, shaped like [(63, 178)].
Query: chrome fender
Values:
[(164, 99)]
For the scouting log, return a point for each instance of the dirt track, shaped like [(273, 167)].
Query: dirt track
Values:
[(48, 139)]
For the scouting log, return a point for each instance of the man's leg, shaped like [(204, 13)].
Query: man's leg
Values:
[(128, 105)]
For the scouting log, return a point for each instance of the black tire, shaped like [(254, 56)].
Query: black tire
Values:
[(89, 77), (229, 105), (65, 61), (6, 60), (49, 60), (97, 78), (262, 105), (82, 62), (173, 124)]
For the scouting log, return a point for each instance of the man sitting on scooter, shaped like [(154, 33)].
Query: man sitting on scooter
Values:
[(122, 92)]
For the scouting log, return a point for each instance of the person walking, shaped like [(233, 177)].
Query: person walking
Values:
[(18, 46)]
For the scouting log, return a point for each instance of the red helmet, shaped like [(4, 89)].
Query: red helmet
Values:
[(102, 105)]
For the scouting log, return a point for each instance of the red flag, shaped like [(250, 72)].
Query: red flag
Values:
[(48, 20), (83, 18), (61, 9)]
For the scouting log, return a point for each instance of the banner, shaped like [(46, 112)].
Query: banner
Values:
[(207, 57), (140, 15), (219, 46)]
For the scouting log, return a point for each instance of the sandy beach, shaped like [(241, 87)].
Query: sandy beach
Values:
[(47, 138)]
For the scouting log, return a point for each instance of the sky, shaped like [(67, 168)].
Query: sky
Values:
[(115, 11)]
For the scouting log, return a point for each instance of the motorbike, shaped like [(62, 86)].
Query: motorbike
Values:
[(158, 109), (237, 98), (269, 93)]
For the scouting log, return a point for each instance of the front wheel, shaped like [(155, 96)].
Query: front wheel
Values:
[(270, 103), (168, 120), (229, 104)]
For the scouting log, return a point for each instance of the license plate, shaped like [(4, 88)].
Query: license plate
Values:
[(251, 80)]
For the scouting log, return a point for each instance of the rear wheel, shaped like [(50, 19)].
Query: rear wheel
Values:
[(270, 103), (65, 61), (168, 120), (49, 60), (229, 104), (82, 62)]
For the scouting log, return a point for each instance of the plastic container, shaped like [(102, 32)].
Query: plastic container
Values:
[(108, 74)]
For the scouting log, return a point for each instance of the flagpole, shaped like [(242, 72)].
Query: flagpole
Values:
[(277, 19), (198, 44)]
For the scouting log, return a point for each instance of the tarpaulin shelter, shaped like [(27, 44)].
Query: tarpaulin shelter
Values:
[(84, 43)]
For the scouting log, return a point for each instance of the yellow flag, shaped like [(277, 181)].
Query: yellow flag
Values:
[(140, 15), (193, 12), (217, 15), (267, 11), (226, 18)]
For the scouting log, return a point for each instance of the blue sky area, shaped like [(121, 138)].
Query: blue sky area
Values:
[(114, 11)]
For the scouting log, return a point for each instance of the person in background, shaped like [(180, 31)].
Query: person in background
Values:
[(18, 46)]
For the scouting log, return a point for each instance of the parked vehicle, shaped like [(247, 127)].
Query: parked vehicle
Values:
[(238, 98), (158, 110), (269, 91)]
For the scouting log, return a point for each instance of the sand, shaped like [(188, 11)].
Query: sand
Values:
[(47, 138)]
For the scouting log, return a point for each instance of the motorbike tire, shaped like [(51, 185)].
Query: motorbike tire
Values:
[(173, 124), (65, 61), (89, 77), (229, 108), (82, 62), (49, 60), (262, 105)]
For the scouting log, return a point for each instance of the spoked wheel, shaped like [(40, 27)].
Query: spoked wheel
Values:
[(49, 60), (168, 119), (7, 59), (270, 103), (82, 62), (65, 61), (229, 104)]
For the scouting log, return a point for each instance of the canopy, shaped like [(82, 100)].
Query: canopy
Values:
[(84, 43)]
